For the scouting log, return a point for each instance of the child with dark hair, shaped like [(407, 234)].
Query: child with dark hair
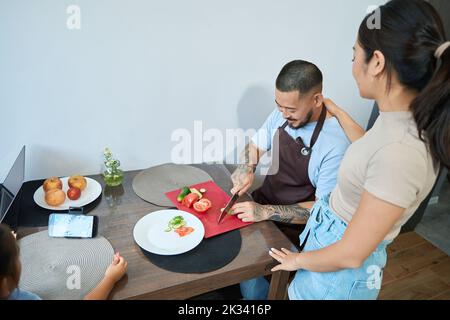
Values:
[(10, 270)]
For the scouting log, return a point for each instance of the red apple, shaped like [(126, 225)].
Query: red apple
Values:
[(74, 193)]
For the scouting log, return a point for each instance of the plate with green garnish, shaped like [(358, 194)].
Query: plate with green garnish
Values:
[(168, 232)]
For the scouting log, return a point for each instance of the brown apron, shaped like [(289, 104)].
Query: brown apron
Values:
[(291, 184)]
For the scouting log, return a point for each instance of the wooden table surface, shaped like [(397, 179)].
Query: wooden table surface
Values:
[(119, 210)]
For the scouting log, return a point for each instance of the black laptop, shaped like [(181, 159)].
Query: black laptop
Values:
[(10, 188)]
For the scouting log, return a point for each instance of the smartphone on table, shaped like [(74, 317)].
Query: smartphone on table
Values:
[(72, 226)]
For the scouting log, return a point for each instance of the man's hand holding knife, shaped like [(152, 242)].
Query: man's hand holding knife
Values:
[(242, 179)]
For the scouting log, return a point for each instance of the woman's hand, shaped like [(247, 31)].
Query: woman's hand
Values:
[(286, 258), (331, 107), (352, 129), (116, 269)]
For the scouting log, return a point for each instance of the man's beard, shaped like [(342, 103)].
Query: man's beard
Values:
[(304, 123)]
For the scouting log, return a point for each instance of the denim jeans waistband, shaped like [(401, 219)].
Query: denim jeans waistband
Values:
[(322, 214)]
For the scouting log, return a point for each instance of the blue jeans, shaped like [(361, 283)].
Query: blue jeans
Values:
[(255, 289), (326, 228)]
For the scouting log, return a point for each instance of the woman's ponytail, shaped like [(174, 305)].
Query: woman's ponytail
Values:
[(431, 110)]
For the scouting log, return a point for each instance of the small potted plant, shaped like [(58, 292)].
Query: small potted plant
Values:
[(112, 175)]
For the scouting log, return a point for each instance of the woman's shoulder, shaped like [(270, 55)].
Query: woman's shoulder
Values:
[(396, 137)]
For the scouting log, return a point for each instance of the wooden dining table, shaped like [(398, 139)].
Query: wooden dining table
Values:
[(119, 209)]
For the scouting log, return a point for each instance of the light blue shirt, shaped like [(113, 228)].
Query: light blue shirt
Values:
[(18, 294), (327, 153)]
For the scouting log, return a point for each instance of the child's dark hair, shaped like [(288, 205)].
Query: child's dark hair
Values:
[(410, 33), (9, 253)]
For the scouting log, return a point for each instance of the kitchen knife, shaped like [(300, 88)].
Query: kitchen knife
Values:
[(228, 207)]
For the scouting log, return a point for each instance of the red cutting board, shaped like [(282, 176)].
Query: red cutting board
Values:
[(209, 219)]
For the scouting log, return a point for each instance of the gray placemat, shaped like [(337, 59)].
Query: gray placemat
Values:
[(50, 266), (152, 184)]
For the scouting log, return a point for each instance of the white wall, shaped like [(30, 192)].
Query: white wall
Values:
[(139, 69)]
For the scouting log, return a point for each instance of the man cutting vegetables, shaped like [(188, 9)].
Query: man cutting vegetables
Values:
[(310, 144)]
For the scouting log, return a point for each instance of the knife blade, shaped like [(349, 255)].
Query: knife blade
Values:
[(228, 207)]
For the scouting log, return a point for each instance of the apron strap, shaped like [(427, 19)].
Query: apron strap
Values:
[(319, 127), (284, 125)]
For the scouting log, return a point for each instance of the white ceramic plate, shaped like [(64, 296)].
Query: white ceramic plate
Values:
[(91, 193), (149, 233)]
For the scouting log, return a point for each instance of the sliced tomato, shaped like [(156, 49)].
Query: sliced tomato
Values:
[(207, 201), (202, 205), (184, 231), (189, 200)]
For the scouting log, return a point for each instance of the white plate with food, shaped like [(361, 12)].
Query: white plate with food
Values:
[(168, 232), (55, 195)]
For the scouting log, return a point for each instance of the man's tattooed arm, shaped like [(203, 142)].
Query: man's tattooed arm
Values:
[(249, 157), (247, 164), (295, 214), (242, 177)]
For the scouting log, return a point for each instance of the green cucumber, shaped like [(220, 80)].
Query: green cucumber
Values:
[(200, 195), (178, 225), (176, 220), (183, 193), (175, 223)]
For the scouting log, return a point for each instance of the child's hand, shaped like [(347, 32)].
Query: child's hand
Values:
[(116, 269)]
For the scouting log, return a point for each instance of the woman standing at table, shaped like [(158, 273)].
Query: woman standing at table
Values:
[(388, 171)]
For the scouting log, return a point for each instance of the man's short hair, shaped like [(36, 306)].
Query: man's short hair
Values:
[(299, 75)]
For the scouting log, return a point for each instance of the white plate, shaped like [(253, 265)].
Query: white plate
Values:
[(149, 233), (91, 193)]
